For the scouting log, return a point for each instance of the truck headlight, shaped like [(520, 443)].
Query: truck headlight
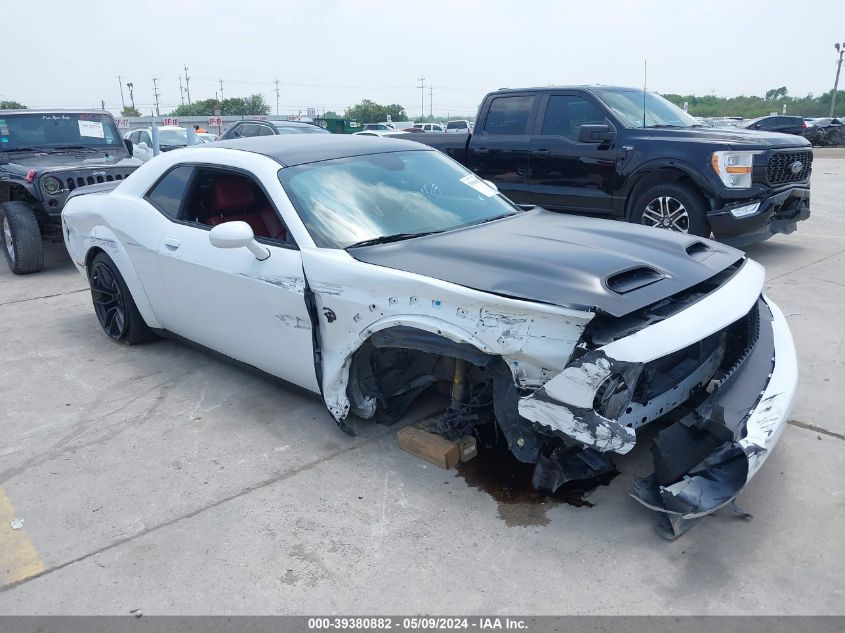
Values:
[(734, 168), (51, 185)]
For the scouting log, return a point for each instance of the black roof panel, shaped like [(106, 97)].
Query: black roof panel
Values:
[(296, 149)]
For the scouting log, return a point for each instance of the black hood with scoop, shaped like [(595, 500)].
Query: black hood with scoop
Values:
[(565, 260)]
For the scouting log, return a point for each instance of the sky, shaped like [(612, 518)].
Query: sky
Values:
[(330, 54)]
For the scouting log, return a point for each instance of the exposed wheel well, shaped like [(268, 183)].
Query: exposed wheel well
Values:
[(665, 175), (90, 255)]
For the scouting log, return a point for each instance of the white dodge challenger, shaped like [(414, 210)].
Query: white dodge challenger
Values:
[(368, 270)]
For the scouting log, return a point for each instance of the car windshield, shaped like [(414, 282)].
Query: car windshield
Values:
[(56, 129), (349, 200), (630, 106), (172, 137), (300, 129)]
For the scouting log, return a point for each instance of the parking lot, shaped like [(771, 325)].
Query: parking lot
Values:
[(160, 479)]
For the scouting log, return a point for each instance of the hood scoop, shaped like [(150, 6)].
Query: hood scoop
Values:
[(699, 251), (633, 279)]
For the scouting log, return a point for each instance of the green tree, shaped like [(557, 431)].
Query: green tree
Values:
[(371, 112), (12, 105), (238, 106), (330, 114), (130, 111)]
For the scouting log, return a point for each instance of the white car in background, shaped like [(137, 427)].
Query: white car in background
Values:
[(369, 272), (461, 126), (429, 127), (170, 137)]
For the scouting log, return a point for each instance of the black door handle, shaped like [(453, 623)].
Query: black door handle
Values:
[(482, 151), (540, 152)]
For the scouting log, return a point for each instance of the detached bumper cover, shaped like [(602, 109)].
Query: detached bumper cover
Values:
[(779, 213), (731, 434)]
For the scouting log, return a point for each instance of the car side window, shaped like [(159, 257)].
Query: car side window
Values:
[(135, 137), (145, 138), (249, 129), (236, 131), (220, 195), (265, 130), (169, 192), (508, 115), (565, 114)]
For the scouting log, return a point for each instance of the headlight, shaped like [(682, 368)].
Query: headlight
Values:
[(734, 168), (51, 185)]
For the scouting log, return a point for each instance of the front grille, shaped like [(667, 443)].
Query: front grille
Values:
[(779, 169), (72, 182)]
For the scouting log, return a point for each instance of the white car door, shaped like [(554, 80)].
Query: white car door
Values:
[(226, 299)]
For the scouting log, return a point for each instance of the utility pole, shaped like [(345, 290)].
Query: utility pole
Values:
[(431, 102), (422, 96), (221, 90), (839, 49), (120, 83), (102, 104), (187, 84), (181, 92), (156, 94), (130, 85), (277, 97)]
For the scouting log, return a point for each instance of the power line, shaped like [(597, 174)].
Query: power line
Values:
[(431, 101), (422, 96), (120, 83), (187, 84), (156, 95)]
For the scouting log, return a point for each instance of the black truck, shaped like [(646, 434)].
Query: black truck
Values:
[(632, 155), (44, 155)]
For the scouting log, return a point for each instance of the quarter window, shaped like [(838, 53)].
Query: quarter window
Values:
[(508, 115), (168, 194)]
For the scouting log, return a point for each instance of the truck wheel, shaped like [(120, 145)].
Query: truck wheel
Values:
[(21, 238), (116, 310), (673, 206)]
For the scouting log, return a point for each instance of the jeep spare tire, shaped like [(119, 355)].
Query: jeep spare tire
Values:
[(21, 238)]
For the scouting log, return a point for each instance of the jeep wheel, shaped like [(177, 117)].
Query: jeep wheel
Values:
[(21, 238), (672, 206), (116, 310)]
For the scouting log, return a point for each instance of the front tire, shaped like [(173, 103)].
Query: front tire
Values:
[(21, 238), (113, 304), (672, 206)]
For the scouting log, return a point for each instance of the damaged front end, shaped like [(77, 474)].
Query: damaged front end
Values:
[(720, 369)]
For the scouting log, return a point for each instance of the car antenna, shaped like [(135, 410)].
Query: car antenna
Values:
[(645, 82)]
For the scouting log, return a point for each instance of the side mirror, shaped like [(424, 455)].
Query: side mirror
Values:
[(237, 234), (129, 147), (143, 145), (595, 133)]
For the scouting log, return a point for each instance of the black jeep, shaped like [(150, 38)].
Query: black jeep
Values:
[(44, 155)]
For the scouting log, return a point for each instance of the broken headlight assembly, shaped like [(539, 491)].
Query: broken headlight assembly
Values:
[(612, 396), (734, 168)]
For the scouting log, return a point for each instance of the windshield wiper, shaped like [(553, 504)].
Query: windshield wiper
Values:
[(396, 237), (667, 125), (61, 147), (22, 149)]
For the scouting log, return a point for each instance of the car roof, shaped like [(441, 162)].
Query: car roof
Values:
[(283, 123), (54, 111), (297, 149)]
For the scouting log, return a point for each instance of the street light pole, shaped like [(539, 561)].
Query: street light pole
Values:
[(840, 50), (422, 97)]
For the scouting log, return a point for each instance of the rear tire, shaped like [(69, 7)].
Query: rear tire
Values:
[(21, 238), (113, 304), (672, 206)]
